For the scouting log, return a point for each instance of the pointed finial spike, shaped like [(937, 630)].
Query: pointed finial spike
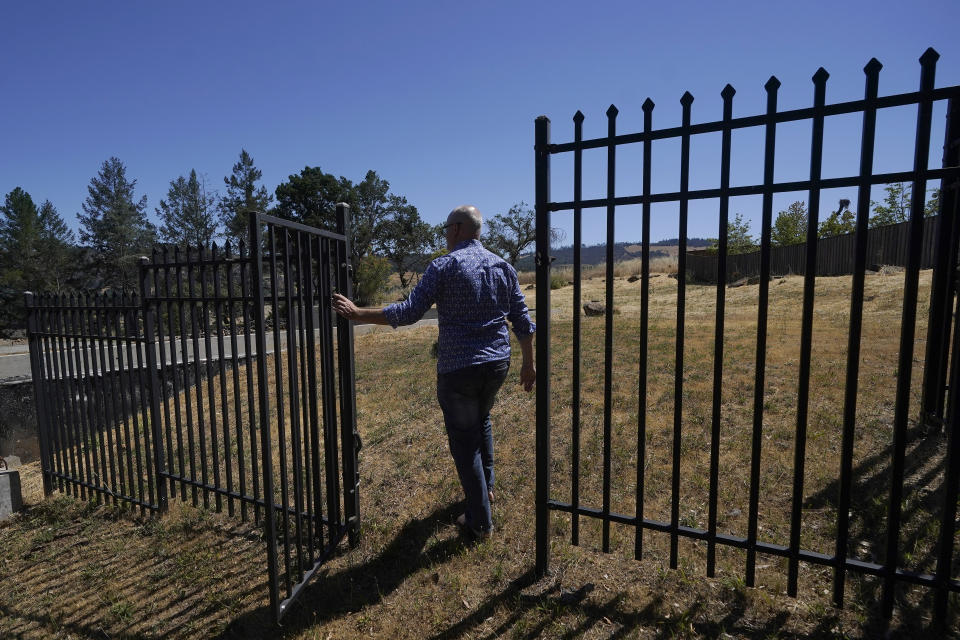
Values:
[(686, 99), (820, 76), (612, 111), (873, 67), (772, 84), (728, 92), (648, 105), (929, 56), (578, 116)]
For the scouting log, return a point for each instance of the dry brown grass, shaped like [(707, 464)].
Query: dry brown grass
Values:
[(97, 572)]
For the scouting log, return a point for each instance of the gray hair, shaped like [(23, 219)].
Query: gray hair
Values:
[(468, 215)]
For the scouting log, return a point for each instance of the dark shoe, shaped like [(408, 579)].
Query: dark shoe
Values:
[(476, 533)]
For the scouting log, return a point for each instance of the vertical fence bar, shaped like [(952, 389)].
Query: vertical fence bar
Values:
[(38, 377), (145, 389), (329, 268), (769, 154), (577, 290), (941, 296), (89, 391), (312, 424), (727, 95), (250, 268), (154, 375), (218, 306), (348, 394), (928, 62), (185, 356), (192, 261), (872, 71), (74, 336), (96, 389), (806, 331), (109, 389), (176, 369), (542, 200), (208, 367), (644, 327), (281, 405), (608, 324), (290, 300), (237, 405), (270, 525), (126, 387), (948, 515), (53, 385), (134, 389), (160, 392), (685, 101), (73, 422)]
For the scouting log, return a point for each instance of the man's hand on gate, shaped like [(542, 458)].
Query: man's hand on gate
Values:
[(345, 307), (528, 376)]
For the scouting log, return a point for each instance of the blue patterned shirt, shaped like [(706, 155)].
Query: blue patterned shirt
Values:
[(476, 292)]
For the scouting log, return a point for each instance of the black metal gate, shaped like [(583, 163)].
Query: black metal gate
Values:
[(228, 379), (937, 364)]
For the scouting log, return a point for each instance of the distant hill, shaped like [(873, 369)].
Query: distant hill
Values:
[(594, 254), (691, 242)]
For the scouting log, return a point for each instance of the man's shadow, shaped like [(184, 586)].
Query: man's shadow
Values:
[(331, 595)]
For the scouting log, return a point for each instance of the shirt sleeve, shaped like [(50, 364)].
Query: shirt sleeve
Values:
[(420, 299), (519, 315)]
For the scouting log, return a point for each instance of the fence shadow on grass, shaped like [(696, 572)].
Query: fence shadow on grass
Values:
[(923, 494), (332, 595)]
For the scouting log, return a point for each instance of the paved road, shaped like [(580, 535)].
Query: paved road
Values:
[(15, 359)]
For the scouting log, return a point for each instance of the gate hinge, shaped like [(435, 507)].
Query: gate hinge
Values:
[(539, 259)]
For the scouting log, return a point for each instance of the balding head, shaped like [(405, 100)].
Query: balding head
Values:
[(469, 217)]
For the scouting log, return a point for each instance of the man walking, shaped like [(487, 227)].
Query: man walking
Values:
[(476, 292)]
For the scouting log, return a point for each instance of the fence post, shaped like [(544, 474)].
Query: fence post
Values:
[(542, 154), (944, 278), (350, 439), (150, 350), (38, 400), (266, 449)]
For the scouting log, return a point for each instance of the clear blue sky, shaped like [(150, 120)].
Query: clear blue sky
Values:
[(440, 97)]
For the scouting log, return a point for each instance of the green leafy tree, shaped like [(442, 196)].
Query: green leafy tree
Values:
[(790, 226), (840, 222), (407, 240), (114, 225), (739, 239), (509, 234), (896, 205), (243, 196), (188, 214), (932, 207)]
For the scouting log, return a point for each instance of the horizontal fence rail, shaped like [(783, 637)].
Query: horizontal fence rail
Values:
[(226, 381), (624, 344)]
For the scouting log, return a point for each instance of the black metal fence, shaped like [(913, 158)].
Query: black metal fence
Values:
[(838, 494), (886, 245), (204, 385)]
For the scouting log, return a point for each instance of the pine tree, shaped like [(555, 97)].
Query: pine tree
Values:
[(242, 197), (35, 254), (115, 226), (57, 250), (188, 212)]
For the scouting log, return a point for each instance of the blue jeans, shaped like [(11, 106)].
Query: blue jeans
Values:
[(466, 396)]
